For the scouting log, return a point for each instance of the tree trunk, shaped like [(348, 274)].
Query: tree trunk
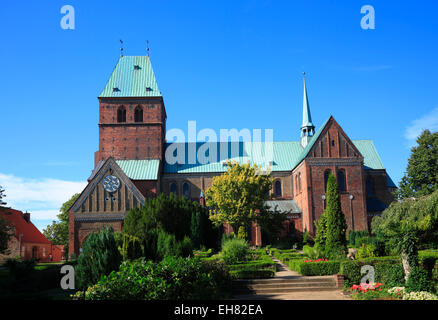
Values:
[(406, 266)]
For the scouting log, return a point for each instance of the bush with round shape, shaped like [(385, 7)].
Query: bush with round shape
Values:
[(234, 250)]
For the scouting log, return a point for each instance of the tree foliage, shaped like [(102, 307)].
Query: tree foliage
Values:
[(236, 196), (57, 232), (321, 235), (421, 177), (172, 215), (98, 258), (2, 196), (407, 224), (336, 240), (4, 236), (408, 216)]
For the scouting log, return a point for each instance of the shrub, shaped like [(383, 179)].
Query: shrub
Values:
[(392, 275), (418, 280), (172, 214), (99, 257), (234, 250), (167, 246), (285, 257), (427, 260), (131, 247), (383, 266), (171, 279), (202, 231), (366, 251), (310, 252), (252, 274), (322, 268), (20, 269)]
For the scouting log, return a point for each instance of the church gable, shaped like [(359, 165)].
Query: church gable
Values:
[(109, 191), (333, 142)]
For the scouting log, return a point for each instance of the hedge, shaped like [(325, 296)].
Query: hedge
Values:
[(388, 270), (252, 274), (253, 265), (427, 260), (276, 252), (322, 268), (285, 257)]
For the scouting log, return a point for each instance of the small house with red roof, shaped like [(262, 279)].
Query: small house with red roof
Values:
[(26, 241)]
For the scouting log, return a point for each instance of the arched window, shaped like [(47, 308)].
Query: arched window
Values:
[(138, 114), (341, 180), (121, 114), (370, 186), (278, 188), (186, 190), (173, 188), (326, 176)]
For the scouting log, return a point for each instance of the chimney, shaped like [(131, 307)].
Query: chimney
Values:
[(26, 216)]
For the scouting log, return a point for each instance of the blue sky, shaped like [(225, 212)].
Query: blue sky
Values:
[(225, 64)]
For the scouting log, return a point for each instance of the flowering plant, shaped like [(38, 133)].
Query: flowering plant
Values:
[(365, 287), (317, 260), (368, 291), (400, 292)]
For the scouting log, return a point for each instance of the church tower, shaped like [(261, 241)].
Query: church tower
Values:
[(307, 128), (132, 116)]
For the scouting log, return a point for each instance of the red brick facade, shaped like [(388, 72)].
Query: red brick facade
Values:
[(127, 139), (135, 128)]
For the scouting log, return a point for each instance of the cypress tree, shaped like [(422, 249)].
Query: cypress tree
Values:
[(336, 243), (321, 235), (196, 229)]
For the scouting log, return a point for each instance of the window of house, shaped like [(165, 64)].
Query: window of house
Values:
[(173, 188), (341, 180), (121, 114), (138, 114), (278, 188), (299, 181), (186, 190)]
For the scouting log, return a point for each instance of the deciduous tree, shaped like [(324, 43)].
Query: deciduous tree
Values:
[(57, 232), (421, 177), (236, 196)]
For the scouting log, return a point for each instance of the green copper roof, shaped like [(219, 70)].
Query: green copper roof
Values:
[(371, 158), (286, 206), (286, 155), (132, 77), (140, 169), (307, 118)]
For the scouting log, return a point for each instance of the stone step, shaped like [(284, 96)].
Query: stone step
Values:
[(286, 285), (298, 279), (285, 290)]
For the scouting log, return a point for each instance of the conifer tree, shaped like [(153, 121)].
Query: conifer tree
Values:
[(336, 243), (321, 235), (99, 257)]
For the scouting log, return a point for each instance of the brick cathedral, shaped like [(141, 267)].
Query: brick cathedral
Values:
[(131, 166)]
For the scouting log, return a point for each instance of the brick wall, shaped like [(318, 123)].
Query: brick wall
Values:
[(130, 139)]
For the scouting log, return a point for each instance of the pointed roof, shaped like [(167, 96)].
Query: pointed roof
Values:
[(27, 229), (110, 163), (133, 76), (307, 118)]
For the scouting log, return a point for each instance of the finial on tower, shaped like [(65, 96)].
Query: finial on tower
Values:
[(147, 47), (121, 48)]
